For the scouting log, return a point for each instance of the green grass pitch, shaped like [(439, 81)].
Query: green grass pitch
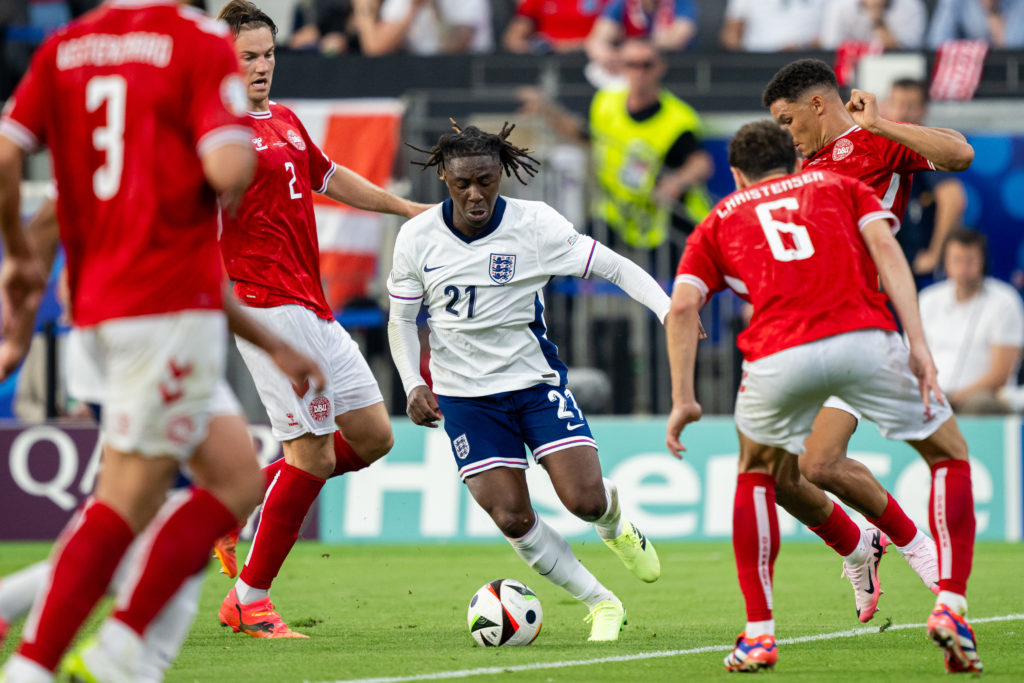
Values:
[(388, 611)]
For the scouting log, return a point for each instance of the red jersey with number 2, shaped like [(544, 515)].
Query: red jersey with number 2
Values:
[(128, 98), (792, 247), (885, 165), (271, 249)]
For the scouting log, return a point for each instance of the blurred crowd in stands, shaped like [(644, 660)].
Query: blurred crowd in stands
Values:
[(378, 27)]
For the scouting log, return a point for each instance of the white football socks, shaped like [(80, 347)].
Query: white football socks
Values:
[(954, 601), (166, 634), (247, 593), (860, 553), (919, 537), (609, 525), (756, 629), (549, 555), (18, 591)]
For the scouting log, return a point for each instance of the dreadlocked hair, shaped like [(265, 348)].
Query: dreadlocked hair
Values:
[(471, 141)]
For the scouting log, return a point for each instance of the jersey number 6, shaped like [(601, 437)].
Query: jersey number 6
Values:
[(774, 230)]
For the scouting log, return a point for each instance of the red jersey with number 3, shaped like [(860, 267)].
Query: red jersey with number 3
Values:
[(128, 98), (885, 165), (792, 247), (271, 249)]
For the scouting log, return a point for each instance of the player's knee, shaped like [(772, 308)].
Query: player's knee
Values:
[(513, 523), (587, 505), (380, 447)]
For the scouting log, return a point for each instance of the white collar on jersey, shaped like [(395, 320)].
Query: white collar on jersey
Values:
[(268, 114), (844, 134)]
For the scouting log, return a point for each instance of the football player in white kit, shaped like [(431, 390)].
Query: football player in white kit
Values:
[(479, 263)]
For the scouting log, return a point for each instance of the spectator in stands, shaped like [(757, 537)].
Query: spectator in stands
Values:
[(546, 25), (937, 200), (772, 25), (646, 152), (895, 24), (322, 25), (1000, 22), (424, 27), (668, 24), (974, 325)]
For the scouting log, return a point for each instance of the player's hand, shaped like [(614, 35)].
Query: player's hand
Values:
[(682, 414), (863, 107), (701, 334), (923, 367), (422, 407), (22, 283), (300, 369)]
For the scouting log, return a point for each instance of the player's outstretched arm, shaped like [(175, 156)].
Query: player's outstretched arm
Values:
[(898, 284), (630, 278), (403, 337), (947, 149), (298, 367), (348, 187), (22, 280), (681, 324)]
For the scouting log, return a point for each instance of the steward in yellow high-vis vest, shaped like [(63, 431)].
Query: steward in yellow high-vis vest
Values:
[(630, 150)]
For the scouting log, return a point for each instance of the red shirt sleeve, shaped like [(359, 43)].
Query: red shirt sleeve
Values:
[(321, 168), (867, 206), (902, 159), (217, 115), (699, 265), (24, 117)]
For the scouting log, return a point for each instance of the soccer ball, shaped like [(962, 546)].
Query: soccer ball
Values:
[(504, 612)]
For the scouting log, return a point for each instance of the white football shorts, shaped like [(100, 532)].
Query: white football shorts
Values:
[(781, 394), (158, 378), (350, 384)]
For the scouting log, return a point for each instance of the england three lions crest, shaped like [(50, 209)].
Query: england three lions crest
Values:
[(503, 267)]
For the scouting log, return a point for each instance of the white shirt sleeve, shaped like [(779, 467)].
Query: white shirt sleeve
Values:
[(1009, 328), (632, 279), (403, 337), (737, 9), (560, 249), (463, 12)]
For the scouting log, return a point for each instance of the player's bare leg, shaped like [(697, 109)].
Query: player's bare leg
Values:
[(826, 465), (364, 437), (576, 476), (755, 528), (951, 515), (503, 494)]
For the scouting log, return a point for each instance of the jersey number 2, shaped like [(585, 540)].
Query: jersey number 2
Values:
[(289, 166), (112, 90), (800, 247)]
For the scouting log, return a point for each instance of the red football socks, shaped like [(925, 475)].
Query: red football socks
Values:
[(839, 531), (88, 552), (755, 541), (185, 532), (269, 472), (345, 457), (284, 509), (951, 516), (895, 524)]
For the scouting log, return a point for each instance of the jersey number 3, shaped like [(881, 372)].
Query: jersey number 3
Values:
[(798, 245), (111, 90)]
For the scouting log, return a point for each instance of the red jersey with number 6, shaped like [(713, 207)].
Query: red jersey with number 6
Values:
[(885, 165), (271, 249), (792, 247), (128, 99)]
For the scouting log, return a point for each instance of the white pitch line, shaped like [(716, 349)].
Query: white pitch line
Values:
[(466, 673)]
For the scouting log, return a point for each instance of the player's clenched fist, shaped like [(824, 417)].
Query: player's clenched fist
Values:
[(422, 407), (863, 107)]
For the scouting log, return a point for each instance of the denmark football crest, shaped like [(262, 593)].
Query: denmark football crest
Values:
[(503, 267), (320, 409), (296, 140), (842, 149)]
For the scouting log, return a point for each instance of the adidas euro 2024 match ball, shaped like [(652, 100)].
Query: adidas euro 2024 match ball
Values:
[(504, 612)]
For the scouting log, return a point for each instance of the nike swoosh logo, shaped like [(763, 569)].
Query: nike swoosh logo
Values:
[(876, 543), (427, 269), (572, 427)]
